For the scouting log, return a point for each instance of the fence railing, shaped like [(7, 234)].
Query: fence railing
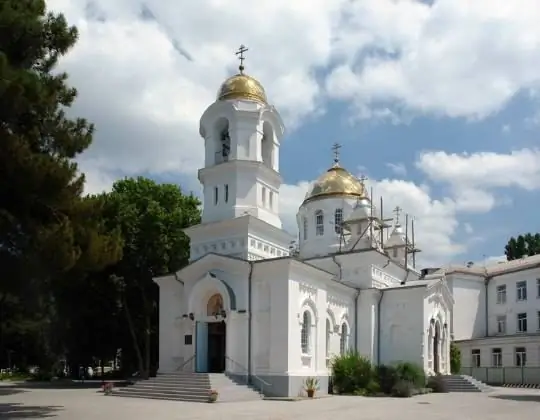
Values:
[(512, 375), (240, 371)]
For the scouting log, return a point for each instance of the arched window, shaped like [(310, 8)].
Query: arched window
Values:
[(338, 221), (305, 221), (305, 332), (328, 331), (343, 339), (319, 223)]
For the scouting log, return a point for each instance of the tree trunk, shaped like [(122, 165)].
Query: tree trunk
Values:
[(133, 334)]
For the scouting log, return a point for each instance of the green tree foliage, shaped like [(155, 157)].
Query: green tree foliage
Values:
[(455, 358), (151, 218), (46, 228), (523, 245)]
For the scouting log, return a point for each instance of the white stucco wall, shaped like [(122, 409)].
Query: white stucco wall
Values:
[(469, 315), (402, 319)]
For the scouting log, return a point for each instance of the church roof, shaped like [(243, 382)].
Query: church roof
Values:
[(397, 238), (336, 182), (507, 267), (242, 86)]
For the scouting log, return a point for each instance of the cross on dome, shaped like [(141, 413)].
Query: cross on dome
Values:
[(335, 149), (241, 57), (363, 179)]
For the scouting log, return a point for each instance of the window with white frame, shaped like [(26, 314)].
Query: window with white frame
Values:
[(522, 322), (271, 200), (305, 332), (343, 339), (538, 321), (521, 356), (521, 290), (538, 288), (328, 332), (216, 195), (496, 357), (501, 293), (501, 324), (338, 220), (319, 223), (226, 193), (263, 196), (305, 228), (475, 357)]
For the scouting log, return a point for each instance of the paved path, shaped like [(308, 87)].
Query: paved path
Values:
[(87, 404)]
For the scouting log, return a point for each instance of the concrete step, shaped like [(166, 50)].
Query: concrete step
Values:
[(157, 387), (161, 397), (462, 383), (230, 391), (179, 393)]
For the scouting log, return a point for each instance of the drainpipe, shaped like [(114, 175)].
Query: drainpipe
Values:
[(356, 319), (379, 305), (250, 318)]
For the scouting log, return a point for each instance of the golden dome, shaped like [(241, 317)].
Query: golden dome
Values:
[(242, 86), (336, 182)]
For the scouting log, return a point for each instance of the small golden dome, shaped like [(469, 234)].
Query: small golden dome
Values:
[(336, 182), (242, 86)]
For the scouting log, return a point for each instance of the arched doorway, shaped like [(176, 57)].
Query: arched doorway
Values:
[(436, 347), (211, 337)]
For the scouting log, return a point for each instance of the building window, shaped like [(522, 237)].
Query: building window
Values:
[(501, 324), (305, 228), (328, 331), (496, 357), (226, 193), (319, 223), (304, 332), (538, 318), (394, 252), (501, 293), (338, 221), (538, 288), (271, 199), (522, 322), (216, 195), (475, 356), (521, 356), (343, 339), (521, 288), (263, 196)]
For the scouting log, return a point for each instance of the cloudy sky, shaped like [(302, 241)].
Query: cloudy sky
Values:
[(437, 102)]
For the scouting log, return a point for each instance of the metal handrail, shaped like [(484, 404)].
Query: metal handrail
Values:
[(259, 379), (186, 362)]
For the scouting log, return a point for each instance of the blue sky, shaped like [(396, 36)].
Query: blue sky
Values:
[(436, 102)]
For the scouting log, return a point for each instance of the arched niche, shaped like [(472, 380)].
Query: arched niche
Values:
[(221, 139), (214, 305)]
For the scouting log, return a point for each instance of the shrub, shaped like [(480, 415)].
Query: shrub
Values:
[(436, 384), (455, 358), (411, 372), (387, 377), (351, 372), (403, 389)]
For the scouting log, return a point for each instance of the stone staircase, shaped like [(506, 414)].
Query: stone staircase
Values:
[(464, 383), (187, 386)]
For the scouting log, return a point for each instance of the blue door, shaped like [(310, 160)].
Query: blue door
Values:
[(201, 347)]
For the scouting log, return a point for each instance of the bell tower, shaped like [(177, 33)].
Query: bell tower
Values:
[(242, 134)]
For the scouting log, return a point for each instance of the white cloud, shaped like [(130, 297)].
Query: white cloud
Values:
[(476, 173), (397, 168), (455, 58), (468, 228)]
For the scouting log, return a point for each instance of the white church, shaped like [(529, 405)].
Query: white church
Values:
[(251, 305)]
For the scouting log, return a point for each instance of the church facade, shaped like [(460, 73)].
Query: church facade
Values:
[(258, 303)]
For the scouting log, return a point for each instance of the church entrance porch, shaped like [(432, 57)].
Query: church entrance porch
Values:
[(211, 338)]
